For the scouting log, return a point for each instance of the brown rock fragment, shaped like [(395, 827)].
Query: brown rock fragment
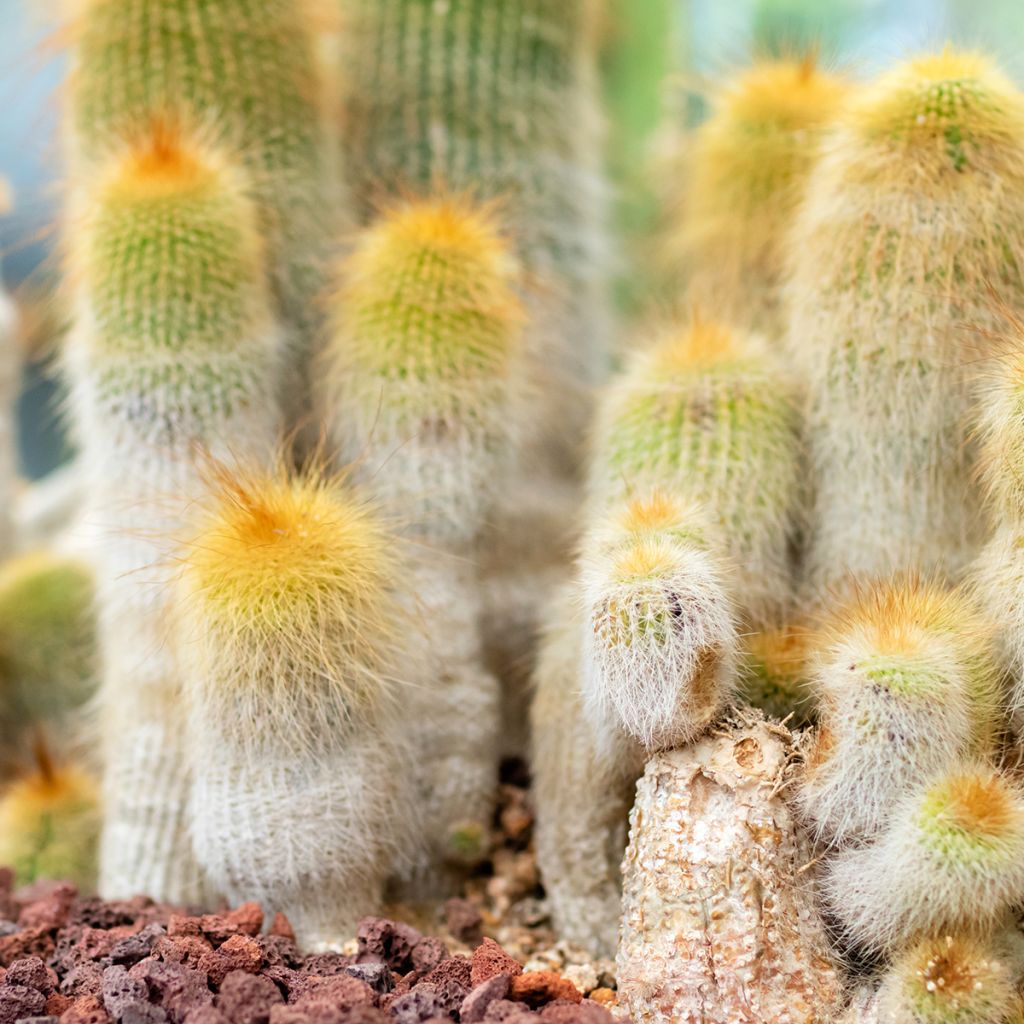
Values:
[(538, 987), (490, 959)]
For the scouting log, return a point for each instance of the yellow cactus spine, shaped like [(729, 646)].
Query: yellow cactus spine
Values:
[(289, 624), (915, 208), (906, 687), (173, 351), (735, 185), (425, 377)]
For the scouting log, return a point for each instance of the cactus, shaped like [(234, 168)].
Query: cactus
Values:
[(173, 350), (950, 858), (583, 784), (50, 823), (949, 980), (289, 622), (424, 376), (243, 75), (10, 388), (735, 183), (915, 208), (775, 674), (705, 417), (906, 687), (718, 917), (47, 640)]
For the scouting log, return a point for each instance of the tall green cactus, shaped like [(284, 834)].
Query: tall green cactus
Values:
[(173, 349), (244, 76), (914, 211)]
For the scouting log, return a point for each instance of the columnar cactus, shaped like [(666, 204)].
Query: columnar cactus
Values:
[(905, 685), (732, 190), (50, 824), (244, 76), (289, 625), (583, 785), (914, 210), (425, 371), (718, 917), (173, 349), (500, 97), (950, 858), (676, 561), (10, 388)]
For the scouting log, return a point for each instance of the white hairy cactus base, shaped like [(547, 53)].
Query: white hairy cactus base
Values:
[(876, 743), (659, 649), (718, 918), (10, 385), (451, 716), (583, 786)]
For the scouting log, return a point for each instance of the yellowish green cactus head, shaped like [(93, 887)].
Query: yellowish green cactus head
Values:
[(49, 826), (290, 581), (1001, 414), (954, 110), (47, 635), (170, 254), (428, 315), (948, 980), (775, 674)]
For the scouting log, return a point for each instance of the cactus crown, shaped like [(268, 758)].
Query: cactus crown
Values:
[(948, 979), (172, 258), (972, 808), (276, 555), (957, 100), (429, 298)]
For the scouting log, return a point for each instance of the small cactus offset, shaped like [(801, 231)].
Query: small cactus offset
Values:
[(50, 824), (915, 210), (949, 859), (719, 922), (424, 376), (173, 349), (244, 76), (735, 183), (289, 629), (906, 686)]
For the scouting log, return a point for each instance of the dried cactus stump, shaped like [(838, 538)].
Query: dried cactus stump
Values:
[(718, 915)]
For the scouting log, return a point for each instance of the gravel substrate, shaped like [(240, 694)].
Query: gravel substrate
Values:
[(90, 961)]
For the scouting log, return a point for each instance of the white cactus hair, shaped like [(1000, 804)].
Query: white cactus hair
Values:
[(905, 690), (950, 858), (660, 634)]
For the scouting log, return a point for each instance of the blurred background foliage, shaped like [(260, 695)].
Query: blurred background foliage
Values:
[(662, 59)]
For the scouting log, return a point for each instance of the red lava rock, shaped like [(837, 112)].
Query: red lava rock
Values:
[(475, 1005), (99, 913), (390, 941), (490, 959), (133, 948), (177, 988), (84, 980), (50, 912), (428, 953), (504, 1011), (56, 1004), (180, 926), (205, 1015), (282, 927), (463, 920), (248, 918), (247, 998), (216, 928), (456, 968), (184, 949), (28, 942), (418, 1006), (538, 987), (585, 1012), (339, 990), (327, 964), (377, 976), (17, 1001), (239, 953), (121, 990), (32, 973), (87, 1010)]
